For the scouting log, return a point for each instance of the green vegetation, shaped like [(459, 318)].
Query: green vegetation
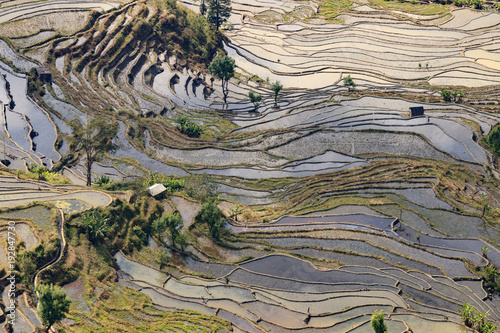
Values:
[(95, 139), (412, 7), (276, 87), (35, 85), (188, 127), (95, 225), (103, 180), (154, 177), (127, 223), (162, 258), (222, 68), (492, 140), (217, 11), (490, 276), (485, 250), (185, 34), (378, 323), (201, 187), (235, 211), (171, 222), (349, 83), (455, 96), (485, 200), (255, 99), (212, 215), (330, 9), (475, 319), (53, 304), (38, 172)]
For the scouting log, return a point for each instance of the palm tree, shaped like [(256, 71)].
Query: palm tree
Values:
[(95, 224)]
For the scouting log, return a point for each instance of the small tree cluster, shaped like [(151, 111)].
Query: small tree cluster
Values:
[(38, 170), (173, 223), (212, 215), (455, 96), (475, 319), (162, 258), (188, 127), (255, 99), (35, 86)]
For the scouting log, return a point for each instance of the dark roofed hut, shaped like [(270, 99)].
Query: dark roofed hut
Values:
[(44, 74), (416, 111)]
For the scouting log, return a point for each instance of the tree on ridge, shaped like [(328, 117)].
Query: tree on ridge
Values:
[(95, 138)]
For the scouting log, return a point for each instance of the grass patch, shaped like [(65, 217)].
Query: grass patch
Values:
[(411, 8), (330, 9)]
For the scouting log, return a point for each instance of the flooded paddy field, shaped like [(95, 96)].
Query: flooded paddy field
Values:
[(348, 204)]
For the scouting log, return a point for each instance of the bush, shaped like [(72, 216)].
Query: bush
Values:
[(188, 127), (378, 323), (171, 222), (446, 95), (475, 319), (201, 187), (349, 83), (171, 184), (103, 180), (492, 140), (255, 99)]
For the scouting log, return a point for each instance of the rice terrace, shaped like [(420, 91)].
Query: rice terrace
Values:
[(250, 166)]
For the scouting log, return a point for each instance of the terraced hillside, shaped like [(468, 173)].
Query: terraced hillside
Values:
[(340, 204)]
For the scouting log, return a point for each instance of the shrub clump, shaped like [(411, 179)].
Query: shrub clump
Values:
[(189, 127), (492, 140)]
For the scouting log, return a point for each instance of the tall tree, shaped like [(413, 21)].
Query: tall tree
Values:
[(95, 138), (203, 7), (222, 67), (212, 215), (218, 11), (53, 304)]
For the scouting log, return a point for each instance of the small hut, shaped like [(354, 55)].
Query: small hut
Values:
[(156, 189), (416, 111), (44, 74)]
